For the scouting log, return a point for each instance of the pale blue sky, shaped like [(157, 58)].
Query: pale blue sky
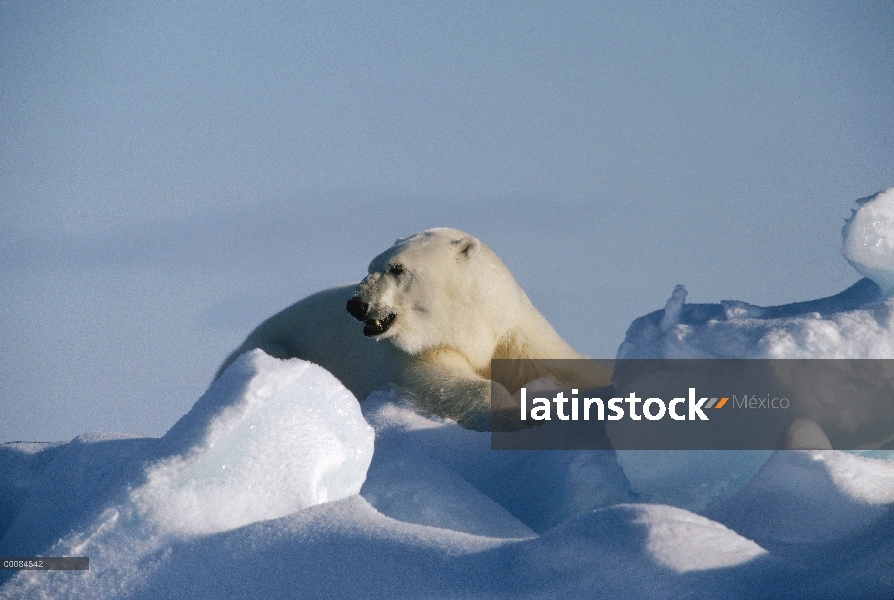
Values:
[(173, 173)]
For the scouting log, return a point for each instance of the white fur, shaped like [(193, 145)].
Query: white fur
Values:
[(457, 306)]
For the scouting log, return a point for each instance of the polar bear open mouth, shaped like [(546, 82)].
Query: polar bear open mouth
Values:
[(376, 327)]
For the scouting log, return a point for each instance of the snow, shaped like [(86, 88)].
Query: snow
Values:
[(279, 484), (856, 323), (810, 497), (269, 438), (869, 239), (804, 434), (717, 547), (526, 490)]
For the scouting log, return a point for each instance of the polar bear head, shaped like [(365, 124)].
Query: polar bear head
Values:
[(441, 288)]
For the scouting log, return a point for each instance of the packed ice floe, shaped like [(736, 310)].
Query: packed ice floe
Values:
[(279, 484)]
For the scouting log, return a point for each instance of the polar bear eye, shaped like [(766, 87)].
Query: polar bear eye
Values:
[(395, 269)]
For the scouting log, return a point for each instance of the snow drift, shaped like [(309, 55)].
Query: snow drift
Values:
[(270, 438)]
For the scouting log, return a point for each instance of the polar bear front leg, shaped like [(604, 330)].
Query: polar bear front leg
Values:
[(443, 383)]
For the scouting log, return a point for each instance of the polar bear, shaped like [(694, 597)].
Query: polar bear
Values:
[(436, 308)]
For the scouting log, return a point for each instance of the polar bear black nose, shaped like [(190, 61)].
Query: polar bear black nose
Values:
[(358, 308)]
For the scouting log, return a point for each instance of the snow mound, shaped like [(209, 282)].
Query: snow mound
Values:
[(425, 493), (857, 323), (431, 471), (868, 239), (684, 542), (666, 536), (268, 438), (638, 551), (804, 434), (809, 497)]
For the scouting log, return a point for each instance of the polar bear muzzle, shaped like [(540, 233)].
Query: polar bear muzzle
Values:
[(360, 311), (376, 327)]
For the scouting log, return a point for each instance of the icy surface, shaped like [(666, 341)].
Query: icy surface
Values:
[(439, 514), (869, 239)]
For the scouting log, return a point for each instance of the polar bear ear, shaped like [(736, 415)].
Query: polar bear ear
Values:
[(467, 246)]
